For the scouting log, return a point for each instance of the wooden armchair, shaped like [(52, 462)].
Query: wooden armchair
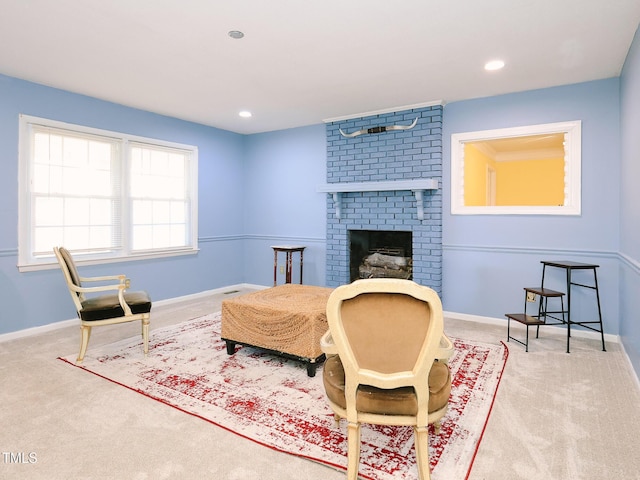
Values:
[(386, 361), (106, 309)]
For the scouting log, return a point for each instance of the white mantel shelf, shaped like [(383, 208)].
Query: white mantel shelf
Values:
[(417, 186)]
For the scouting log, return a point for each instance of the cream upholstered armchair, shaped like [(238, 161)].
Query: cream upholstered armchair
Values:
[(106, 309), (386, 361)]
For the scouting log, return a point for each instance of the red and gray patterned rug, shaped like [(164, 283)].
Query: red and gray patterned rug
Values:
[(272, 401)]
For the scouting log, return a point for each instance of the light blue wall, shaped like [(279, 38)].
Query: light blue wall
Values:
[(40, 298), (260, 190), (630, 205), (489, 259), (282, 172)]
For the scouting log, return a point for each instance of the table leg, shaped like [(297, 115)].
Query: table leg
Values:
[(595, 278), (568, 307), (275, 268), (289, 263), (301, 257)]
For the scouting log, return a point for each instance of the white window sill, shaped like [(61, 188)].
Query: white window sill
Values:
[(50, 265)]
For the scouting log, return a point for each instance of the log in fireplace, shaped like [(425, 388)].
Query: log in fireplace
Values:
[(380, 254)]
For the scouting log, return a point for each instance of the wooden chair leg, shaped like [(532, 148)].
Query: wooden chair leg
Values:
[(353, 450), (336, 419), (422, 452), (145, 334), (437, 425), (85, 334)]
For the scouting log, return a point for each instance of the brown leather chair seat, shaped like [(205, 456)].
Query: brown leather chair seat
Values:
[(397, 401), (108, 306)]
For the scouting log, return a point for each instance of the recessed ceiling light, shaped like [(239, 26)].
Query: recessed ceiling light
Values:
[(245, 114), (494, 65), (237, 34)]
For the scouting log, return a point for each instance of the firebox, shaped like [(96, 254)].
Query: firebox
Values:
[(380, 254)]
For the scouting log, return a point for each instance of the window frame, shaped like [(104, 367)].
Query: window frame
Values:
[(572, 167), (28, 262)]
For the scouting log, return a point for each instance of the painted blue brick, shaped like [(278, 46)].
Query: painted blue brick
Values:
[(378, 177), (430, 150), (352, 149), (379, 210)]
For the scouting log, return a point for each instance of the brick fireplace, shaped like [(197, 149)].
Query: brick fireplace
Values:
[(386, 181)]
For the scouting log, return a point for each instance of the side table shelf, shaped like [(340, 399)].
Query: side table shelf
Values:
[(541, 318)]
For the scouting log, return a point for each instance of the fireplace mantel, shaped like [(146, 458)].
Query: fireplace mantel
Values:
[(417, 186)]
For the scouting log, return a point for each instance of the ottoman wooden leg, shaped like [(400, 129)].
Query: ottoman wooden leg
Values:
[(231, 347), (311, 369)]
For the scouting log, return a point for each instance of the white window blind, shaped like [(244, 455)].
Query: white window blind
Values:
[(75, 192), (160, 198), (103, 195)]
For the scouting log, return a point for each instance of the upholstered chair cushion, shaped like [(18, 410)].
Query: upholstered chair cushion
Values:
[(398, 401), (108, 306), (71, 266)]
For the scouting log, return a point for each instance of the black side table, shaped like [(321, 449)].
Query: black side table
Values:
[(569, 268)]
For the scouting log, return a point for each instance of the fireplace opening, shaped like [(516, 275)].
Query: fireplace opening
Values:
[(380, 254)]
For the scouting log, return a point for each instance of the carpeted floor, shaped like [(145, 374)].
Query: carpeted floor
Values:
[(273, 401), (557, 416)]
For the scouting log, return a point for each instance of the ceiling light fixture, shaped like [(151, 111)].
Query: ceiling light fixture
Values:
[(236, 34), (245, 114), (494, 65)]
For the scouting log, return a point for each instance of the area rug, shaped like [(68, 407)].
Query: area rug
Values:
[(272, 401)]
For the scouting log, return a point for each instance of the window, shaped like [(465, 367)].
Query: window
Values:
[(523, 170), (103, 195)]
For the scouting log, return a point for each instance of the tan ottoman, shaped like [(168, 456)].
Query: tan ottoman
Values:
[(288, 320)]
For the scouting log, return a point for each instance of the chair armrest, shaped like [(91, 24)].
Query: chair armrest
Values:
[(445, 349), (121, 287), (102, 288), (327, 345), (121, 278)]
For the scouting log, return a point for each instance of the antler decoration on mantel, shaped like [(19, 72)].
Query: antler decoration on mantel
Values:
[(379, 129)]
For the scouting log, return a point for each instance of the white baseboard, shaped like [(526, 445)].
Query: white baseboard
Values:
[(208, 293), (28, 332), (554, 330)]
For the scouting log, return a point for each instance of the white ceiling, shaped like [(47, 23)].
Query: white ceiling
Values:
[(303, 61)]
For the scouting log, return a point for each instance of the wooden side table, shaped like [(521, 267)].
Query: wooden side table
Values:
[(289, 250)]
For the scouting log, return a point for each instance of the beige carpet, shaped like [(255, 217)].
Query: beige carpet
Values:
[(557, 416)]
